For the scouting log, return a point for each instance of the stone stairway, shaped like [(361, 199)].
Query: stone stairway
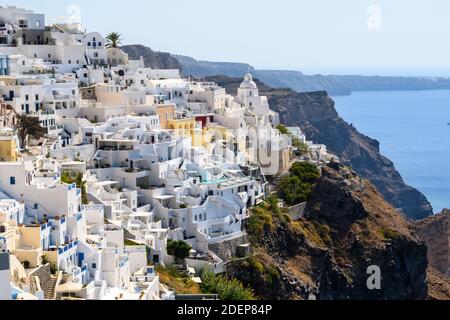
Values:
[(97, 292), (49, 292)]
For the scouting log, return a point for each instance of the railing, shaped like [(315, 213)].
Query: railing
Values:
[(72, 245)]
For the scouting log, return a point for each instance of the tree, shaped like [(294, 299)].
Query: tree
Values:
[(282, 129), (28, 126), (81, 184), (302, 148), (114, 39), (178, 249)]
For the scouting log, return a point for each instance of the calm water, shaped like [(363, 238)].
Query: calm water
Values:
[(412, 127)]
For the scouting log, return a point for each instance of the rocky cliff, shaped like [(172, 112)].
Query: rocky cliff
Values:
[(315, 113), (152, 59), (435, 231), (348, 227)]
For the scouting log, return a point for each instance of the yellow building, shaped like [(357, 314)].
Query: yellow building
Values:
[(216, 133), (165, 112), (201, 137), (8, 148), (185, 127)]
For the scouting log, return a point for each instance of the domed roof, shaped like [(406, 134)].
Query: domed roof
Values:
[(248, 82)]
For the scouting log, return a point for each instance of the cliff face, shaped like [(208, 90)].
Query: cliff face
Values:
[(152, 59), (315, 113), (348, 227), (435, 231)]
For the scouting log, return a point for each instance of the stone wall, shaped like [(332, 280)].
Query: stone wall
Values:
[(227, 250), (44, 274)]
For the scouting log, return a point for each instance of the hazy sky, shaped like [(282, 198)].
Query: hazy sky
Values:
[(341, 36)]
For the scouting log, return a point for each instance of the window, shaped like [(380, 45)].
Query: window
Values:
[(94, 266), (12, 181), (196, 218), (36, 206), (23, 23), (27, 97), (201, 217), (36, 97), (89, 44)]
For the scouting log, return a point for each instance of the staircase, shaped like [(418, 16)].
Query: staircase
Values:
[(97, 291), (49, 292)]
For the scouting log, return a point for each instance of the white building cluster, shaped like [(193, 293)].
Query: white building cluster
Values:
[(133, 158)]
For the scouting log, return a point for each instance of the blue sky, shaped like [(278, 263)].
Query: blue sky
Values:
[(327, 36)]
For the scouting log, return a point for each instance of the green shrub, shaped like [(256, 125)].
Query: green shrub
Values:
[(260, 219), (302, 147), (256, 264), (282, 129), (53, 268), (305, 171), (228, 290), (272, 203), (389, 233), (297, 187)]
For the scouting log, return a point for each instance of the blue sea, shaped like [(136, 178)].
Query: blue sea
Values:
[(414, 132)]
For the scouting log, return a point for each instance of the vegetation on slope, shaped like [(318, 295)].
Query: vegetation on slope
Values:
[(176, 281), (229, 290), (297, 186), (325, 255), (78, 180), (211, 284), (302, 148)]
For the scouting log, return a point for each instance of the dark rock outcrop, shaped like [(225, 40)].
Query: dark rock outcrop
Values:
[(152, 59), (348, 228), (315, 113), (435, 231)]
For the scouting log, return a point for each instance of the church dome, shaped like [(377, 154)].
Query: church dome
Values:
[(248, 82)]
